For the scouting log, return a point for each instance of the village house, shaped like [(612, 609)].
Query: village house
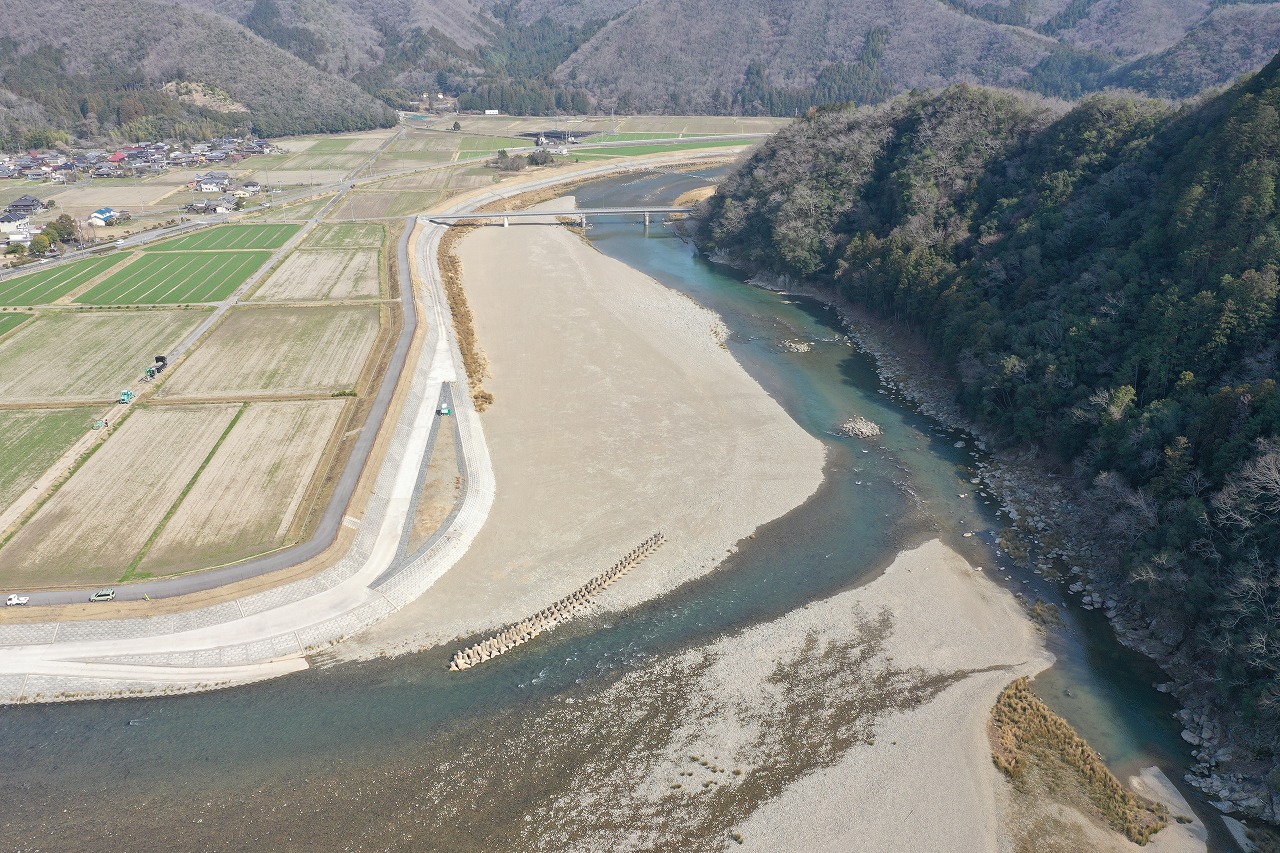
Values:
[(15, 227), (27, 204)]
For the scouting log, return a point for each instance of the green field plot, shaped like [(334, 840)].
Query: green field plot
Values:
[(31, 440), (631, 150), (9, 322), (475, 144), (49, 285), (229, 237), (346, 235), (172, 278)]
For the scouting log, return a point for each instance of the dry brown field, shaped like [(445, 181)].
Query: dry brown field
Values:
[(94, 527), (249, 496), (86, 356), (323, 274), (278, 351)]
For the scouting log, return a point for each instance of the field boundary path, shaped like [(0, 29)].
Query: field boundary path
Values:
[(271, 633)]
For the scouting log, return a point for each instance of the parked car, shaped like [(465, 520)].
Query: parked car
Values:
[(103, 595), (16, 599)]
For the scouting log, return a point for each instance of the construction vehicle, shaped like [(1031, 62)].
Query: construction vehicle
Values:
[(126, 397)]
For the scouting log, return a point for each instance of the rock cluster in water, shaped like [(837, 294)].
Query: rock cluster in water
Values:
[(859, 427), (556, 614)]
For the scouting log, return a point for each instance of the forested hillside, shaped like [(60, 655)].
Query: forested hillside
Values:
[(99, 70), (1103, 284)]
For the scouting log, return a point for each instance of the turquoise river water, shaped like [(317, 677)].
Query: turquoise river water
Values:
[(360, 756)]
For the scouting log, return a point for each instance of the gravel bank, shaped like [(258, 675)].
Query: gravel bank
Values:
[(619, 413)]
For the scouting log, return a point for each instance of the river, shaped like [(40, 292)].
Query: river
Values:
[(400, 754)]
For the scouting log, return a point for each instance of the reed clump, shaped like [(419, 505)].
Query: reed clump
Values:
[(473, 357), (1026, 735)]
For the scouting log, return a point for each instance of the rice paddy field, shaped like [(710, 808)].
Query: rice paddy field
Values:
[(82, 357), (96, 526), (230, 238), (33, 439), (259, 351), (248, 497), (50, 285), (324, 274), (174, 278)]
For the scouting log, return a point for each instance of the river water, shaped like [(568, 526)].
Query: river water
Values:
[(402, 755)]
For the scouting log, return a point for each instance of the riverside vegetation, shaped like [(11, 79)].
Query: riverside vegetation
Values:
[(1029, 740), (1101, 282)]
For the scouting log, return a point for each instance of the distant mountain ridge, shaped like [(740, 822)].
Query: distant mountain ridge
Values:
[(331, 65)]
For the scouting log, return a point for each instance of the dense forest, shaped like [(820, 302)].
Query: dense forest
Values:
[(1103, 284)]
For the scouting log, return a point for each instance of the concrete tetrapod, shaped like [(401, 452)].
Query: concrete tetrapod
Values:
[(554, 614)]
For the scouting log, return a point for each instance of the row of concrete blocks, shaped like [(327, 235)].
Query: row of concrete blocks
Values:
[(556, 614)]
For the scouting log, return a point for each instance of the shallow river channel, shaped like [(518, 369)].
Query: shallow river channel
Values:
[(403, 755)]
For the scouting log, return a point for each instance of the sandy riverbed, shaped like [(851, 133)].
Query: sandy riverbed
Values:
[(858, 722), (618, 413)]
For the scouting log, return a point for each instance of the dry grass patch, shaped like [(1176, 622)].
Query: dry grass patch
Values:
[(473, 357), (94, 527), (263, 351), (322, 274), (1031, 743), (249, 497), (86, 356)]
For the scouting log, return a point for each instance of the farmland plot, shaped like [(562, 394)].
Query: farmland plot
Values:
[(258, 351), (246, 500), (94, 527), (383, 205), (346, 235), (299, 212), (9, 322), (30, 441), (50, 285), (320, 274), (83, 357), (175, 278), (230, 237)]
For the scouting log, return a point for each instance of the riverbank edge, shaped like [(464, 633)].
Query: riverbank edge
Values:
[(908, 369)]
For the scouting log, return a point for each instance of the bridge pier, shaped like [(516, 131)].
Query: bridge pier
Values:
[(582, 220), (506, 222)]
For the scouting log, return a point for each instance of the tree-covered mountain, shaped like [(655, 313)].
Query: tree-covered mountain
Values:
[(99, 70), (1103, 284)]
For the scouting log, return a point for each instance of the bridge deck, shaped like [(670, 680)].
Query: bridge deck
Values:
[(585, 211)]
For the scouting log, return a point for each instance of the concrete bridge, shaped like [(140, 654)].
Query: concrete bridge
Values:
[(580, 214)]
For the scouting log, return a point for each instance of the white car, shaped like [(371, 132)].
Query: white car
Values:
[(16, 599)]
